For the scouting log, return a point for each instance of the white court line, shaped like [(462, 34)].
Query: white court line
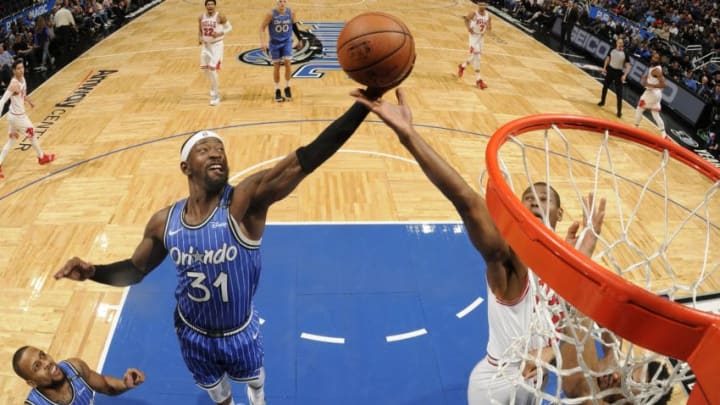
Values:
[(324, 339), (406, 335), (470, 308), (113, 326)]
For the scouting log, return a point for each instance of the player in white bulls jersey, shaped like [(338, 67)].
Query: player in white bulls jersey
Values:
[(511, 299), (213, 26), (654, 83), (18, 121), (477, 23)]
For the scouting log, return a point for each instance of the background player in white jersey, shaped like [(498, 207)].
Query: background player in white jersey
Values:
[(18, 121), (511, 300), (280, 23), (70, 381), (213, 237), (477, 23), (212, 27), (651, 99)]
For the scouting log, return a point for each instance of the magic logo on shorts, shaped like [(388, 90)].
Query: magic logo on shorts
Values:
[(317, 55)]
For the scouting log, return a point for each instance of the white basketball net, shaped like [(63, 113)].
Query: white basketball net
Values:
[(657, 234)]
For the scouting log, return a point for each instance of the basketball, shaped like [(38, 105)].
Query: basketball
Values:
[(376, 49)]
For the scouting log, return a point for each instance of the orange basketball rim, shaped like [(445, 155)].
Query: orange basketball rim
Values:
[(667, 327)]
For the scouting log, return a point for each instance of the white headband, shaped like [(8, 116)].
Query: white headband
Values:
[(197, 137)]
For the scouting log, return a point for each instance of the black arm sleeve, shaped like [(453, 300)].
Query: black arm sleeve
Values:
[(331, 139), (119, 274), (296, 31)]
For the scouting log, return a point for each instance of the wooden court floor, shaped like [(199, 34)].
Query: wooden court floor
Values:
[(116, 118)]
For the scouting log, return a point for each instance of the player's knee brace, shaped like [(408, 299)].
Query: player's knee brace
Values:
[(221, 391)]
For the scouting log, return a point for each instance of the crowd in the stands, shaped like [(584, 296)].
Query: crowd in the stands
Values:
[(51, 40), (682, 31)]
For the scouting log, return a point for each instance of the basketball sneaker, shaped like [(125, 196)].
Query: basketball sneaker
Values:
[(481, 84), (288, 94), (256, 396), (46, 158), (278, 96), (461, 70), (215, 100)]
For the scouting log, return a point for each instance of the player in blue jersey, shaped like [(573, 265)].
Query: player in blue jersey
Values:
[(70, 381), (280, 23), (213, 237)]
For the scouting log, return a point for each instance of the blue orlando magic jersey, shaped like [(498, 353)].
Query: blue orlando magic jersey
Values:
[(82, 394), (281, 26), (218, 268)]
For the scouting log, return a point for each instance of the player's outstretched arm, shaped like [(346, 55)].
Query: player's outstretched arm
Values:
[(106, 384), (577, 384), (255, 194), (501, 262), (148, 255)]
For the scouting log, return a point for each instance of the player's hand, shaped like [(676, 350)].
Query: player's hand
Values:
[(299, 44), (133, 377), (374, 93), (546, 355), (530, 370), (76, 269), (589, 239), (571, 236), (598, 213), (603, 72), (396, 116)]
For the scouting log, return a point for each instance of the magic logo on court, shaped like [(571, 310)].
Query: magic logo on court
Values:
[(317, 55)]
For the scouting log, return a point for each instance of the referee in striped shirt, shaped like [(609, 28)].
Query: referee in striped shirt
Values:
[(615, 70)]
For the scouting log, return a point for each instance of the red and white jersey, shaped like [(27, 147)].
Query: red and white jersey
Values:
[(652, 79), (479, 22), (17, 100), (651, 98), (508, 321), (210, 25)]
